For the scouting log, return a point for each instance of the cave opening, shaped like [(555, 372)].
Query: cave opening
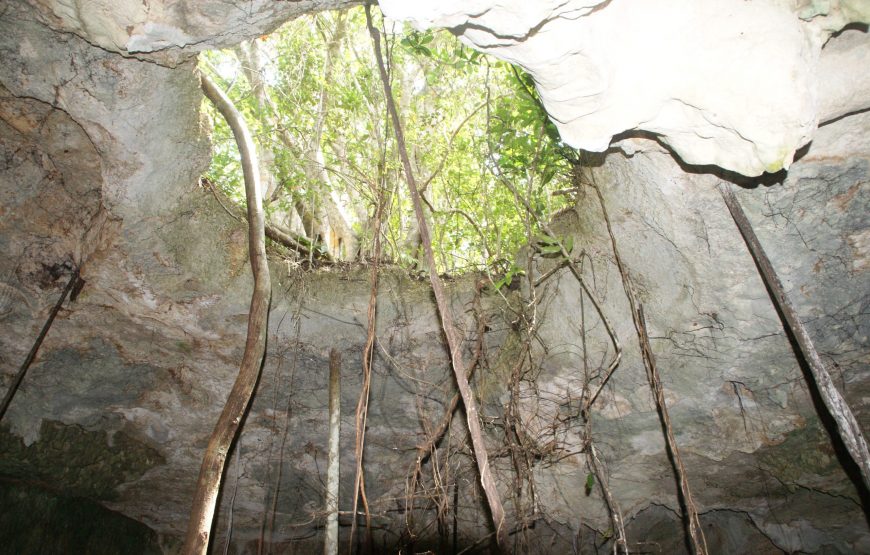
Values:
[(310, 92)]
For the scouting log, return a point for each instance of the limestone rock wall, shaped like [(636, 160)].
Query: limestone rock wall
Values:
[(169, 30), (743, 415)]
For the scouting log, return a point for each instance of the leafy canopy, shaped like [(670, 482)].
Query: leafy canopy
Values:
[(313, 100)]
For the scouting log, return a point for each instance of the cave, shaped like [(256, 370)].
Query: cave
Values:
[(125, 288)]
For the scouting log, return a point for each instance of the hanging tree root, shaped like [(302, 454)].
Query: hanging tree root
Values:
[(362, 407), (427, 450), (16, 382), (453, 340), (696, 533), (227, 427), (596, 466), (621, 543), (847, 426), (267, 524), (596, 302)]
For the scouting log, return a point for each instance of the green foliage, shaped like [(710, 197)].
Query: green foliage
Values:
[(471, 123), (416, 42), (551, 247), (226, 168), (508, 278)]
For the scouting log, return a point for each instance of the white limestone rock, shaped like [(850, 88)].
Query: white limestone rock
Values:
[(724, 82), (173, 28), (844, 77)]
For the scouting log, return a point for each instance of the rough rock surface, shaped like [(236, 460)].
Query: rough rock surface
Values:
[(168, 28), (101, 154), (729, 83), (739, 403)]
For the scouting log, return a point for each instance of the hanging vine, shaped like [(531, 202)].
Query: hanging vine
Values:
[(450, 332)]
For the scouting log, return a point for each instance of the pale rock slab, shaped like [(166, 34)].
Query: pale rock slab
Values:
[(729, 83), (170, 30)]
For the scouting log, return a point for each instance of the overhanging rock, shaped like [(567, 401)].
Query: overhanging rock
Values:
[(724, 82)]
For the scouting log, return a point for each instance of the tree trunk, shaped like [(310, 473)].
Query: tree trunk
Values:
[(227, 427), (330, 222), (251, 57)]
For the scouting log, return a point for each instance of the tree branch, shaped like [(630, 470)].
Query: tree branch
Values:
[(274, 232)]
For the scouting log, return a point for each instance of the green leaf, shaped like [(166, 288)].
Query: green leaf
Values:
[(546, 240), (515, 271), (590, 482), (508, 145), (548, 175), (550, 249)]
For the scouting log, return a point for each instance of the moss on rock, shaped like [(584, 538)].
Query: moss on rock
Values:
[(84, 463)]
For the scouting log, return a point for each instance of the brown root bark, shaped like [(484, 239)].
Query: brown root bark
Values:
[(227, 427), (693, 522), (16, 382), (847, 425), (454, 342), (362, 407)]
